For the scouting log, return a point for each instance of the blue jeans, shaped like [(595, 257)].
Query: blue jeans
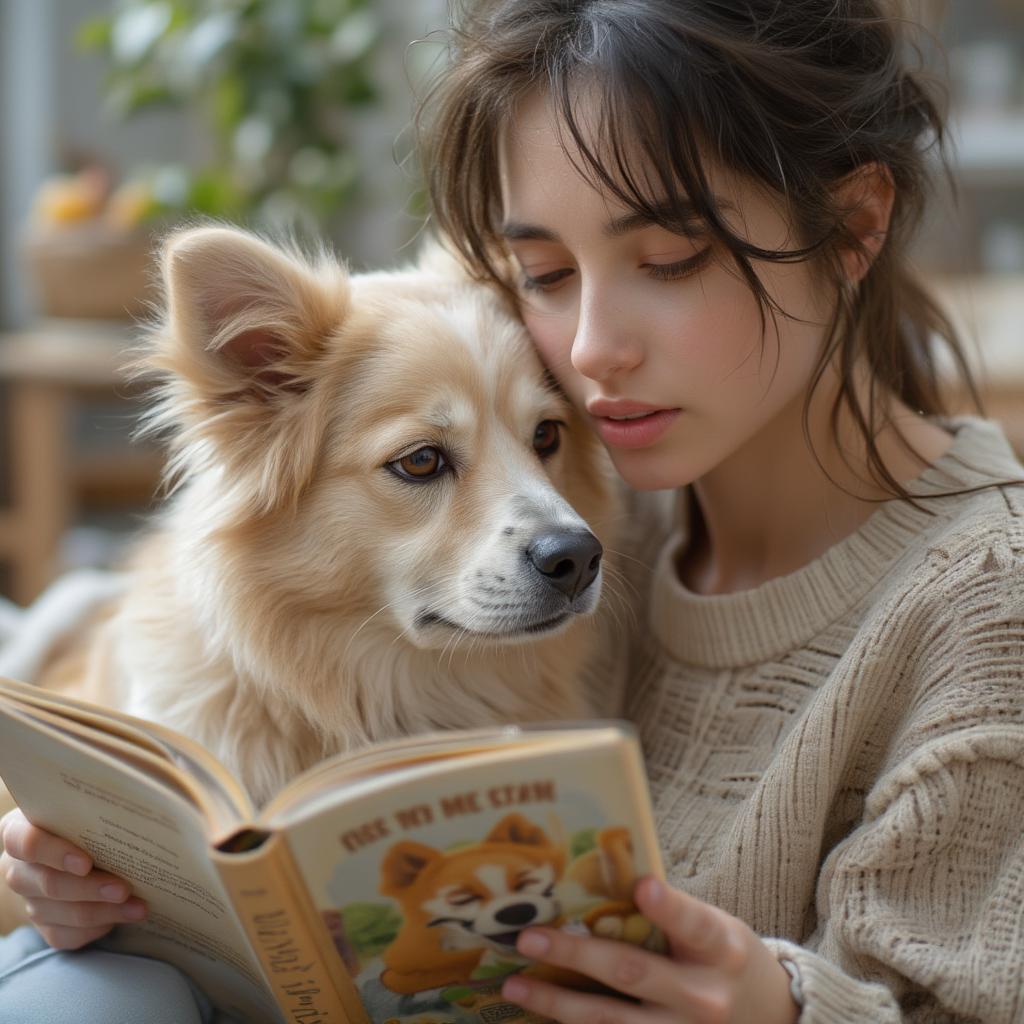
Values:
[(40, 985)]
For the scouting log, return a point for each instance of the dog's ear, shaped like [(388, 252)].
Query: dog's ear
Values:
[(437, 256), (514, 828), (238, 355), (253, 317), (404, 863)]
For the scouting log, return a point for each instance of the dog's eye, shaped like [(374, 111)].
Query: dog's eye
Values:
[(547, 437), (422, 464)]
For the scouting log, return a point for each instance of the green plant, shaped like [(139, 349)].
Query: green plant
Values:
[(371, 927), (277, 83)]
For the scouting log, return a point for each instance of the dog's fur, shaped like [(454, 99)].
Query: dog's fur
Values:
[(297, 597)]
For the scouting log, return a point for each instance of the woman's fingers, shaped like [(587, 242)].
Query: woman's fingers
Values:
[(697, 932), (59, 913), (695, 990), (709, 949), (69, 906), (36, 880), (57, 899), (23, 841)]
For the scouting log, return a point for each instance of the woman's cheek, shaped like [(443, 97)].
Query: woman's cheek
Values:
[(719, 341)]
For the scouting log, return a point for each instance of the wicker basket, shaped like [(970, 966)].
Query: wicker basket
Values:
[(90, 271)]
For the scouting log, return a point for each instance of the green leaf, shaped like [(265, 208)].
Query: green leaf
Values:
[(93, 34), (496, 970), (214, 192), (454, 994), (582, 842), (359, 91), (127, 95), (227, 103), (370, 927), (302, 67)]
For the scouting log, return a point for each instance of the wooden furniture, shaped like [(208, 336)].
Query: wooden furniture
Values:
[(47, 372)]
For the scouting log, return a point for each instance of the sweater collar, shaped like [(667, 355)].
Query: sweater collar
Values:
[(765, 622)]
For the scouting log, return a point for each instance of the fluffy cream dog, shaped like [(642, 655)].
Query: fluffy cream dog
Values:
[(379, 524)]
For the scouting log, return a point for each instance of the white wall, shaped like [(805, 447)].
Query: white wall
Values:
[(26, 98)]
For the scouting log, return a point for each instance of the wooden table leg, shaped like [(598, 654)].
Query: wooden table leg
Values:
[(41, 499)]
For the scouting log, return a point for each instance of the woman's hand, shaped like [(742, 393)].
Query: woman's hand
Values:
[(69, 902), (717, 971)]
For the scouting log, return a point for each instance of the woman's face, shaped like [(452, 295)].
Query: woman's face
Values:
[(633, 318)]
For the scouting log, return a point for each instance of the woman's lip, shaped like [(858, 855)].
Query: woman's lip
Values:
[(619, 407), (637, 433)]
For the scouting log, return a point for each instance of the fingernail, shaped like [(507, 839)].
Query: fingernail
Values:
[(655, 891), (533, 944), (134, 911), (76, 864), (114, 892), (515, 989)]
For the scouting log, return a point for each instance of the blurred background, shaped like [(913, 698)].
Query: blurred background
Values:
[(121, 117)]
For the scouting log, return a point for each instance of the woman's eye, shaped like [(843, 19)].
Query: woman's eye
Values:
[(547, 437), (545, 281), (677, 271), (423, 464)]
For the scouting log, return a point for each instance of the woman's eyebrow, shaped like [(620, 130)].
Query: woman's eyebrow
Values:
[(515, 231)]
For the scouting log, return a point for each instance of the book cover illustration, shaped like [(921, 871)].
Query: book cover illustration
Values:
[(426, 915)]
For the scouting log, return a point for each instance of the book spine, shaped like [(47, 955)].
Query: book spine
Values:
[(302, 968)]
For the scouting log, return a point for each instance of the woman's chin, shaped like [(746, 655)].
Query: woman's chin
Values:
[(651, 470)]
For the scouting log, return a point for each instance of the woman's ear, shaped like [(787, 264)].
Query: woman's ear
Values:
[(866, 195)]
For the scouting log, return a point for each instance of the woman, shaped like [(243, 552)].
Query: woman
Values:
[(702, 211)]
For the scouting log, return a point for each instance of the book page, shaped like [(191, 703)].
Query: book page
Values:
[(424, 883), (230, 801), (318, 786), (147, 834)]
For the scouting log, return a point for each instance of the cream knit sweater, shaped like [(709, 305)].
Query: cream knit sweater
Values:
[(837, 756)]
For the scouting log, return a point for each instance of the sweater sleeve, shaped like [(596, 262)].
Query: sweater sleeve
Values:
[(920, 908)]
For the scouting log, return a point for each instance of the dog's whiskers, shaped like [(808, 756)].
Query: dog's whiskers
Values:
[(426, 588), (617, 598), (630, 558)]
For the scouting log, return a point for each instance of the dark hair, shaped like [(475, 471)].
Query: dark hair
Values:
[(794, 95)]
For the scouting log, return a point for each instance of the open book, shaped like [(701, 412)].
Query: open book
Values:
[(387, 885)]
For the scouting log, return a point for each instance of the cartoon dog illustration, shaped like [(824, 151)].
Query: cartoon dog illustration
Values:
[(458, 906), (470, 904), (608, 871)]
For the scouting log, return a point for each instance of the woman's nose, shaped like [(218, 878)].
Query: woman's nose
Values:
[(605, 342)]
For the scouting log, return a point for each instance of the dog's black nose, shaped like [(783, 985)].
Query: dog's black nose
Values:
[(517, 914), (569, 559)]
